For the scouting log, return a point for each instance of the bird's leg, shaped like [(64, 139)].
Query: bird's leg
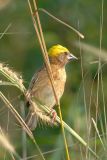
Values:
[(53, 113)]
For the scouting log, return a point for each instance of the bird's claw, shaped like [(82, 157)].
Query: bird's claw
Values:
[(53, 113)]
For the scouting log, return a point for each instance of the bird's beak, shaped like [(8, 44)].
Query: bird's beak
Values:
[(71, 57)]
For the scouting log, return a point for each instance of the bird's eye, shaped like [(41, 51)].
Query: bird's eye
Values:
[(66, 53)]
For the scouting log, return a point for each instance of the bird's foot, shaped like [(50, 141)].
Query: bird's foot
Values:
[(53, 113)]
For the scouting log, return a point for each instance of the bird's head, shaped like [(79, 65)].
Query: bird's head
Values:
[(60, 54)]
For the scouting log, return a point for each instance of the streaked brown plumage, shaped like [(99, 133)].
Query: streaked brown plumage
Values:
[(40, 86)]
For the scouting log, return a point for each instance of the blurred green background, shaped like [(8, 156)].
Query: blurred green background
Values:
[(19, 48)]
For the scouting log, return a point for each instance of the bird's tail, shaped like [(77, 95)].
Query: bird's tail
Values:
[(31, 119)]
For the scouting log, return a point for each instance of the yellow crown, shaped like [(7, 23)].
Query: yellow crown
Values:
[(57, 50)]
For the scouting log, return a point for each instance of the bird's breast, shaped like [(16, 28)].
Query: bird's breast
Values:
[(59, 77), (43, 89), (59, 81)]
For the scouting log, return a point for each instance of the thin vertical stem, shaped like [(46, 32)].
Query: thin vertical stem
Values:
[(99, 64), (84, 94), (48, 67), (24, 145)]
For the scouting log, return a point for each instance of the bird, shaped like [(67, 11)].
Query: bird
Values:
[(40, 86)]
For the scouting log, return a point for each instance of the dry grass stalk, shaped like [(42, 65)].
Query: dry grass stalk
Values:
[(6, 144), (1, 36), (12, 76), (39, 32), (18, 82), (62, 22), (17, 116), (48, 119), (97, 131), (93, 50)]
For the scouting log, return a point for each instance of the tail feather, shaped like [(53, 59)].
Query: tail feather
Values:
[(31, 120)]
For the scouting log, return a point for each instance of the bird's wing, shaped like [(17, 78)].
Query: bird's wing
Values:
[(34, 80), (39, 79)]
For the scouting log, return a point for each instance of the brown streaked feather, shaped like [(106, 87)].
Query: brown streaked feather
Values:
[(41, 80), (40, 87)]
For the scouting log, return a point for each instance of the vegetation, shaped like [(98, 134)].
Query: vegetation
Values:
[(83, 104)]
